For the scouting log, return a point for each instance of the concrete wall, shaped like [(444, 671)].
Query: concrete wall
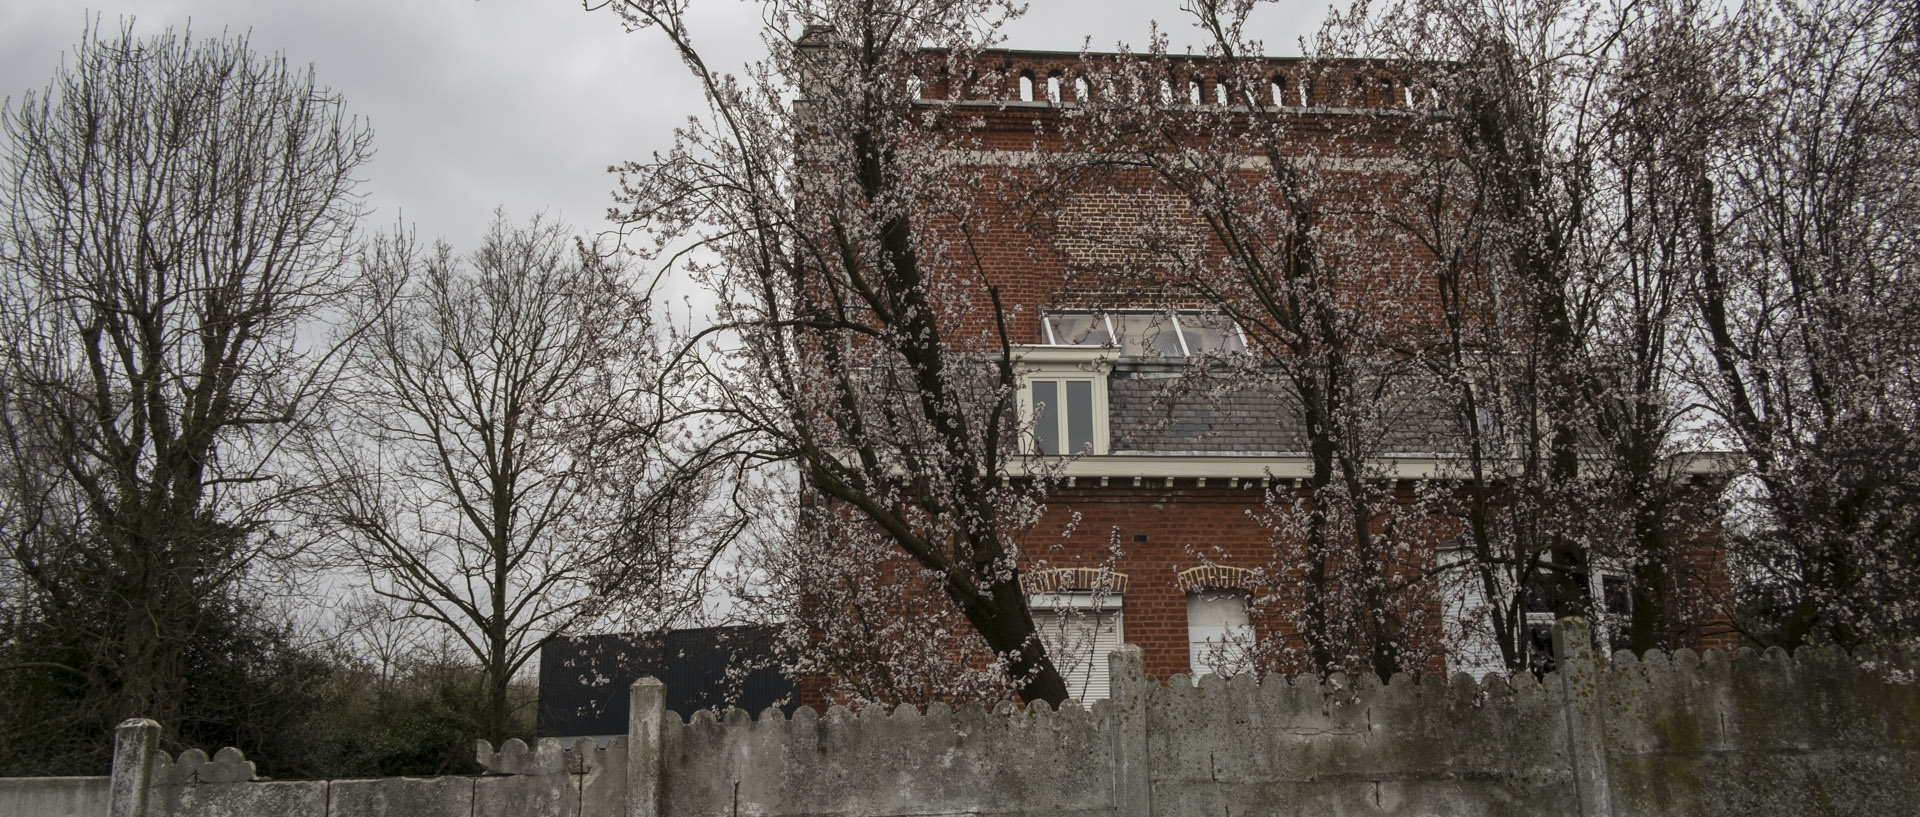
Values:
[(53, 796), (1812, 733), (1359, 748), (962, 760), (1816, 733)]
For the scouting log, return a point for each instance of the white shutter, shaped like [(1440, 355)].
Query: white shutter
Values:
[(1219, 635), (1471, 647), (1079, 641)]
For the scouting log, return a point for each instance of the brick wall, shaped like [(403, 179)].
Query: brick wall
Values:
[(1154, 533)]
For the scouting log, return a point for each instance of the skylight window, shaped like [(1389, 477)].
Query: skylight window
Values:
[(1145, 334)]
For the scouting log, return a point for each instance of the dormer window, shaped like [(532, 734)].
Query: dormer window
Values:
[(1142, 333), (1063, 395)]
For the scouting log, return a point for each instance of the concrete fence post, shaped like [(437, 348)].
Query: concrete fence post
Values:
[(133, 742), (1128, 689), (1579, 670), (645, 758)]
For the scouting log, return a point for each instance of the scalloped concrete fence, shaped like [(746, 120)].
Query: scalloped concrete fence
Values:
[(1817, 733)]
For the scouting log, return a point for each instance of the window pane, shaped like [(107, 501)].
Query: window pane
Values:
[(1210, 333), (1617, 595), (1146, 335), (1617, 598), (1079, 416), (1084, 329), (1046, 423)]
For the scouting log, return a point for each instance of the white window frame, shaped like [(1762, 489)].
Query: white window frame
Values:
[(1062, 364), (1607, 625), (1106, 319), (1086, 676), (1472, 648), (1604, 623), (1240, 635)]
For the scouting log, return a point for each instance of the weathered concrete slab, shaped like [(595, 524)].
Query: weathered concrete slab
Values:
[(526, 796), (945, 761), (401, 797), (602, 777), (1819, 732), (1815, 733), (54, 796), (1358, 747), (295, 798)]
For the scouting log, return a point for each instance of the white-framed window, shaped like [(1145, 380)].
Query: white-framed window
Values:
[(1613, 607), (1079, 629), (1063, 395), (1470, 642), (1062, 414), (1610, 609), (1144, 333), (1219, 633)]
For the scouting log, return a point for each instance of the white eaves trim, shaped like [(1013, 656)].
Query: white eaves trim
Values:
[(1147, 467), (1225, 466)]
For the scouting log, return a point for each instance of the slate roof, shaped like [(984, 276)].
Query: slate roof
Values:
[(1151, 412)]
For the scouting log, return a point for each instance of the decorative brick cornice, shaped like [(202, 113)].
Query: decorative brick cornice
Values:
[(1215, 577), (1069, 579)]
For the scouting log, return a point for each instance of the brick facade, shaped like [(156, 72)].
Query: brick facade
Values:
[(1158, 537)]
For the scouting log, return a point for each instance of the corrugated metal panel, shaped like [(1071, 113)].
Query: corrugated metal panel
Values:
[(584, 679)]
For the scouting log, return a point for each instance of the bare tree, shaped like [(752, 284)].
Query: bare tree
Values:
[(1805, 307), (1286, 174), (494, 463), (857, 337), (1544, 223), (1460, 229), (176, 210), (1669, 210)]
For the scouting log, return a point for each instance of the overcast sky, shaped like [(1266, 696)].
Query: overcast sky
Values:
[(518, 103)]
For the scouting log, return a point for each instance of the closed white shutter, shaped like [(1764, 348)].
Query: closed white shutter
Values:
[(1079, 637), (1219, 636), (1468, 627)]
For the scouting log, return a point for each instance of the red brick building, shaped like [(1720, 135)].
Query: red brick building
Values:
[(1166, 521)]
